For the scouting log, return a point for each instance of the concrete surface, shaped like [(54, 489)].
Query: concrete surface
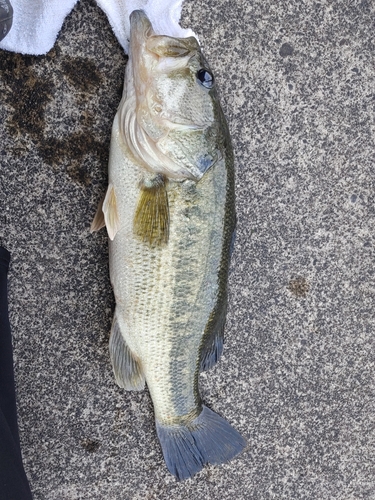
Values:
[(297, 375)]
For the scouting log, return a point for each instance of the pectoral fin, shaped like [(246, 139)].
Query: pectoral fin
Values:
[(110, 212), (151, 219)]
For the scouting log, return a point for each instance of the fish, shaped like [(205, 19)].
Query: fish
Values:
[(170, 215)]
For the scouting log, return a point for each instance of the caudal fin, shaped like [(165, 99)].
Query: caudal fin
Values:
[(207, 439)]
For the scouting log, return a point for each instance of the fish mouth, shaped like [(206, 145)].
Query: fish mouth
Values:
[(144, 40), (140, 29)]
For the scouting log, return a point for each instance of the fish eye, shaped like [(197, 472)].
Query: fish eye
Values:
[(205, 78)]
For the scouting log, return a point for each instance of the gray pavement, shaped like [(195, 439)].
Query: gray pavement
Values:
[(297, 82)]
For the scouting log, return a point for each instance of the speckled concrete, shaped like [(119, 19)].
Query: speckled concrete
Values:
[(297, 377)]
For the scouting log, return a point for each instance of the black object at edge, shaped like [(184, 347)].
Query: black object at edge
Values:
[(13, 480)]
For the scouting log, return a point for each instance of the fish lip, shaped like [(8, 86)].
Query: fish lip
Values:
[(140, 28)]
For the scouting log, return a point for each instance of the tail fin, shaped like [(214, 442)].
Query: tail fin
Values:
[(207, 439)]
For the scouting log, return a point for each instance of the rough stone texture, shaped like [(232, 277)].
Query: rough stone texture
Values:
[(297, 376)]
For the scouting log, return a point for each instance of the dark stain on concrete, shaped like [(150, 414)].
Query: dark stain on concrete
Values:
[(299, 287), (286, 50), (81, 73), (90, 445), (29, 87), (73, 148), (26, 93)]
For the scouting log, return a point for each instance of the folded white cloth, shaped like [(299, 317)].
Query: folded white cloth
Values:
[(36, 23), (163, 14)]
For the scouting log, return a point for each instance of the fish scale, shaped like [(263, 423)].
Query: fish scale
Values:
[(160, 279)]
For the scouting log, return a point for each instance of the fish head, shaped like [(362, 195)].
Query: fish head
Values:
[(176, 124)]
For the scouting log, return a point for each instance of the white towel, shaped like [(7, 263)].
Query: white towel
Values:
[(36, 23), (163, 14)]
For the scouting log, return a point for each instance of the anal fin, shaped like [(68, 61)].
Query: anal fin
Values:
[(126, 367)]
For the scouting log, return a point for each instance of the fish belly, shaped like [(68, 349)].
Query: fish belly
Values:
[(165, 294)]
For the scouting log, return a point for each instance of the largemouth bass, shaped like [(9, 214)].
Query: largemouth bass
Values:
[(170, 216)]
